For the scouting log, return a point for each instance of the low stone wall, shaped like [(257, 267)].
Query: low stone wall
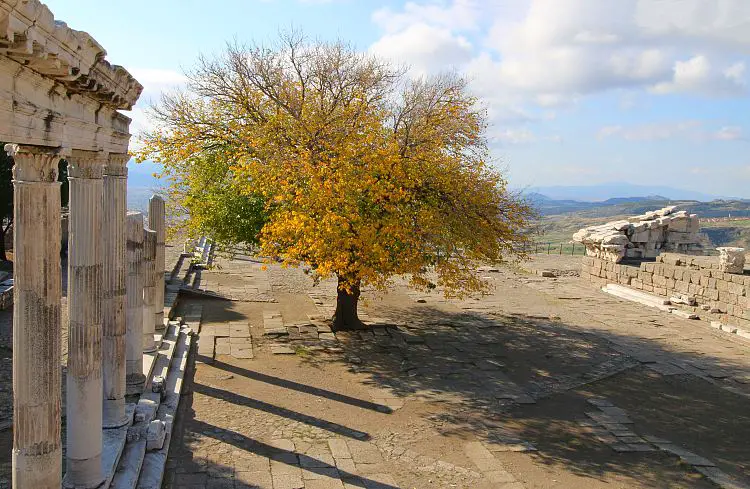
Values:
[(695, 281)]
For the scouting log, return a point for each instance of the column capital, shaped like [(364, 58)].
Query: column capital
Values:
[(86, 164), (34, 163), (117, 165)]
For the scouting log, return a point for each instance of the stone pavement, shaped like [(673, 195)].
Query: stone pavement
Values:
[(545, 383)]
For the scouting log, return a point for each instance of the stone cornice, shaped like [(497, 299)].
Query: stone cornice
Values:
[(30, 35)]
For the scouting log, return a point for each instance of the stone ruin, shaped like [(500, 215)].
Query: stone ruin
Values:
[(643, 236)]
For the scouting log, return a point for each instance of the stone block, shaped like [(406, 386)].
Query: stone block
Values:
[(157, 432), (731, 260), (727, 297), (736, 289)]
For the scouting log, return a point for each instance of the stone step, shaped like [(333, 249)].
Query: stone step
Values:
[(154, 462), (134, 452), (181, 261), (187, 277), (637, 296)]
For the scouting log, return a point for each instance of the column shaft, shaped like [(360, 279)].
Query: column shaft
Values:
[(113, 303), (37, 449), (157, 222), (149, 289), (134, 304), (84, 376)]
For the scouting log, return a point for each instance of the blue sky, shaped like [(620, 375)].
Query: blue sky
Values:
[(579, 91)]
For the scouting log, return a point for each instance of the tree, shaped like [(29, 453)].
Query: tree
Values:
[(203, 188), (6, 198), (363, 173)]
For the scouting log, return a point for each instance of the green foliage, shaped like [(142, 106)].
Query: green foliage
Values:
[(210, 203)]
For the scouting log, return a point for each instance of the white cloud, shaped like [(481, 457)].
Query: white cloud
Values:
[(696, 75), (426, 48), (545, 52), (690, 130), (728, 133), (458, 15), (156, 81)]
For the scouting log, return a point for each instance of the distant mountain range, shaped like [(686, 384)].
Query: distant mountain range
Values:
[(607, 191), (142, 184)]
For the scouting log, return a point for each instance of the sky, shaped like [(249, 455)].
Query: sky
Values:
[(578, 92)]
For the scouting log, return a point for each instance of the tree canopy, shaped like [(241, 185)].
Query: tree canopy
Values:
[(349, 166)]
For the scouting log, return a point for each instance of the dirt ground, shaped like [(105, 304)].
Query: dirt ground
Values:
[(545, 383)]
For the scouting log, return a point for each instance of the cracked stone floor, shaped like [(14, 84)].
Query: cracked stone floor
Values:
[(545, 383)]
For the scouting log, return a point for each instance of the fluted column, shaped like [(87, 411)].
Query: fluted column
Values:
[(113, 302), (134, 304), (84, 376), (37, 450), (157, 222), (149, 289)]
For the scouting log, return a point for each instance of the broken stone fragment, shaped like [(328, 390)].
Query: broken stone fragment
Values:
[(731, 260), (157, 432)]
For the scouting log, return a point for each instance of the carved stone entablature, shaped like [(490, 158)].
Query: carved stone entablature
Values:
[(56, 87), (30, 35)]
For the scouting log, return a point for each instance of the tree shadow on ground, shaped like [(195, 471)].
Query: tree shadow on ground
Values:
[(476, 364)]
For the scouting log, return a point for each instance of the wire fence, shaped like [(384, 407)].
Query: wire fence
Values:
[(550, 248)]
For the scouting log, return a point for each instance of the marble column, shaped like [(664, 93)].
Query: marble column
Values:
[(113, 302), (157, 222), (134, 377), (84, 375), (37, 291), (149, 289)]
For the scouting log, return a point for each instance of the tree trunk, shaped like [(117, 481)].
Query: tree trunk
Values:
[(345, 318)]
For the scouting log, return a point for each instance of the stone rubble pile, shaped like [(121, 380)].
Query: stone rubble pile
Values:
[(644, 236)]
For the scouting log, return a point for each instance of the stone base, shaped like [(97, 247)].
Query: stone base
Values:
[(134, 384)]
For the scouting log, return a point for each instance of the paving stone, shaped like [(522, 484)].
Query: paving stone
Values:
[(630, 439), (346, 466), (613, 411), (324, 484), (242, 352), (222, 346), (642, 447), (686, 456), (339, 448), (287, 481), (239, 330), (258, 479), (621, 447), (720, 478), (252, 464), (318, 473), (324, 461), (364, 453)]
